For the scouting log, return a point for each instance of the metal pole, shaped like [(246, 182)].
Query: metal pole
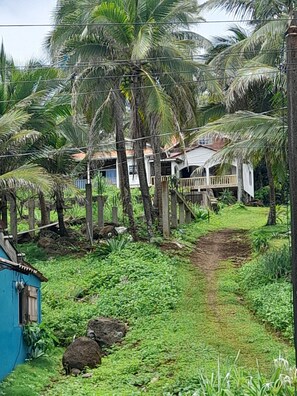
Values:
[(292, 142)]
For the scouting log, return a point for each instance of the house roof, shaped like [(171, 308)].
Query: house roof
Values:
[(22, 267), (14, 261), (112, 154), (178, 154)]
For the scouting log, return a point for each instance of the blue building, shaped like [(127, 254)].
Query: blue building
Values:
[(20, 304)]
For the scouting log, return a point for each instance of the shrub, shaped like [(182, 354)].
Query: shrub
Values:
[(113, 245), (227, 197), (268, 268), (266, 285), (134, 282), (38, 339), (260, 242), (239, 383)]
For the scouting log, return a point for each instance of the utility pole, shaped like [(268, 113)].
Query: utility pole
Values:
[(291, 40)]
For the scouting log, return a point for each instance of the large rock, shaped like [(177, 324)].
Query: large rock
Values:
[(106, 331), (82, 353)]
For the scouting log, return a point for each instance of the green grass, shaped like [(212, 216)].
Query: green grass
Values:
[(173, 333)]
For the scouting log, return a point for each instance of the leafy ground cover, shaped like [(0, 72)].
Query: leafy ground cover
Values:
[(174, 341), (266, 285)]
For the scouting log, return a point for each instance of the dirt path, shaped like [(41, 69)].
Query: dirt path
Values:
[(217, 255), (214, 248)]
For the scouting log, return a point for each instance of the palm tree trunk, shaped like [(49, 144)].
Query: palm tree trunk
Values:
[(123, 166), (4, 210), (156, 145), (59, 198), (272, 210), (43, 209), (138, 148)]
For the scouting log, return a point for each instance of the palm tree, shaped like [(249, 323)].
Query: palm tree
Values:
[(126, 46), (254, 137)]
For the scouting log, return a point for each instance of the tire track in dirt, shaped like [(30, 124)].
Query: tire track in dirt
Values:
[(214, 248)]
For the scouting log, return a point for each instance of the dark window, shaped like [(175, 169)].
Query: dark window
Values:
[(133, 170)]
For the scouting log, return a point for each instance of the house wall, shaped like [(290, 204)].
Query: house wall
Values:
[(134, 179), (13, 351), (196, 157), (248, 179)]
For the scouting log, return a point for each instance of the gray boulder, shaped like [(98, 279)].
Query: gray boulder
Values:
[(81, 353), (106, 331)]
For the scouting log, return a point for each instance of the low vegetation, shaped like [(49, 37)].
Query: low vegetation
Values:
[(173, 344), (266, 285)]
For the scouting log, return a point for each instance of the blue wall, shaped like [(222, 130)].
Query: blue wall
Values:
[(12, 348)]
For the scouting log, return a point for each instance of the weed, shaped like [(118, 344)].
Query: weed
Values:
[(38, 339), (113, 245), (260, 242), (227, 197)]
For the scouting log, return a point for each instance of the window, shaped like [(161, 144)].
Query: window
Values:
[(205, 140), (132, 169), (250, 178), (28, 305)]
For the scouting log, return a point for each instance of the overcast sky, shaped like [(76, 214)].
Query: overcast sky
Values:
[(24, 43)]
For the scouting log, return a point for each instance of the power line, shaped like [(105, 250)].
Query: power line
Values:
[(112, 143), (158, 85), (155, 74), (169, 23), (62, 65)]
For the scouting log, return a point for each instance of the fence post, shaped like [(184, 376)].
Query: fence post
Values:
[(100, 202), (165, 209), (13, 218), (31, 216), (173, 209), (89, 212), (114, 212), (188, 216), (181, 213)]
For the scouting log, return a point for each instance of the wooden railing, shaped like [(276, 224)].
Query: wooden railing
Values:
[(201, 182)]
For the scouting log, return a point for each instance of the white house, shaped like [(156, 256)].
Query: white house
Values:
[(179, 163)]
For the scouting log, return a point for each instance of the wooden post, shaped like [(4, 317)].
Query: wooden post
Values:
[(181, 213), (31, 216), (89, 212), (13, 218), (48, 211), (292, 140), (165, 209), (100, 202), (173, 209), (114, 212), (188, 217)]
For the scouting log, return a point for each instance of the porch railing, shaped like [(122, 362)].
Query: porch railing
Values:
[(201, 182)]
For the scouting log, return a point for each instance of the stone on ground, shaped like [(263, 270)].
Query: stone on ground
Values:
[(106, 331), (81, 353)]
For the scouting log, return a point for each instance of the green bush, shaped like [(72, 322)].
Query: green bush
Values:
[(268, 268), (113, 245), (137, 281), (273, 304), (265, 283), (237, 382), (227, 197), (38, 339)]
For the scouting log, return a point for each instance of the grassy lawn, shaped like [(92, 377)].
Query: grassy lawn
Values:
[(168, 346)]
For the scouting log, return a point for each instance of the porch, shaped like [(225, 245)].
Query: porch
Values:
[(202, 183)]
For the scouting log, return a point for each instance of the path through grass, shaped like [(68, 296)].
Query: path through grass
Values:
[(163, 354)]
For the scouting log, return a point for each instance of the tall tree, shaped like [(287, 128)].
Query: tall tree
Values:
[(132, 43)]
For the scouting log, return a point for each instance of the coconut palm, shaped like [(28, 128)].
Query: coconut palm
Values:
[(254, 137), (132, 51)]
